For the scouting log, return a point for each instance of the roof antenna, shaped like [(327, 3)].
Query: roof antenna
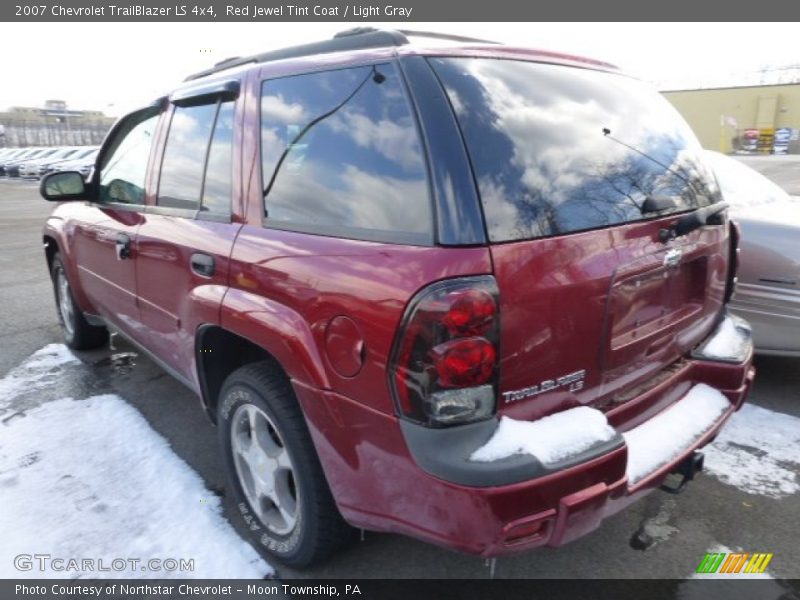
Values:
[(377, 76), (606, 131)]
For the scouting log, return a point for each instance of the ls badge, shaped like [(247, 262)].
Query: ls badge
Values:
[(571, 381)]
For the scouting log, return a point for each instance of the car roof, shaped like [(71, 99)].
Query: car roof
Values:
[(367, 44)]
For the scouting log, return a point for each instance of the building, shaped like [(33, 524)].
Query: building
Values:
[(761, 118), (52, 125)]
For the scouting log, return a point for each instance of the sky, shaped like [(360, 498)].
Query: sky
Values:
[(115, 67)]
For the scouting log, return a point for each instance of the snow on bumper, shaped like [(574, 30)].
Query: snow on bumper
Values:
[(658, 442), (731, 341), (549, 439), (664, 438)]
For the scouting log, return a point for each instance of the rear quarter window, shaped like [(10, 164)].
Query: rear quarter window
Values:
[(341, 156), (558, 149)]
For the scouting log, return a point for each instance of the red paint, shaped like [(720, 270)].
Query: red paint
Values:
[(329, 310)]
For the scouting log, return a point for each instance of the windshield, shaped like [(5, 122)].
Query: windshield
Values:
[(742, 186), (559, 149)]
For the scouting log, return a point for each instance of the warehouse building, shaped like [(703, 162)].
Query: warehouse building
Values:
[(52, 125), (762, 119)]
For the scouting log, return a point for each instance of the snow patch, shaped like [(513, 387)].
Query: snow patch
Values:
[(91, 479), (728, 340), (550, 439), (39, 370), (661, 439), (757, 451)]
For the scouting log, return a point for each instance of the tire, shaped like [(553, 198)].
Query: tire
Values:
[(79, 334), (299, 523)]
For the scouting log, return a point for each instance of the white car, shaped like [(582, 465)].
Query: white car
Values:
[(82, 165), (30, 169), (80, 155), (768, 288)]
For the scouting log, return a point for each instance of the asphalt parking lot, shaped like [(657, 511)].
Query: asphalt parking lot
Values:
[(678, 530)]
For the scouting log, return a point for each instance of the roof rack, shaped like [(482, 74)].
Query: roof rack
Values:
[(358, 38), (353, 39), (444, 36)]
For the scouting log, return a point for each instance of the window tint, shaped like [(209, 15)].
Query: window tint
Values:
[(125, 161), (558, 149), (340, 150), (185, 155), (217, 188)]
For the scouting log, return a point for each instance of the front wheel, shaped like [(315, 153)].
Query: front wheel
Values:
[(280, 489), (79, 334)]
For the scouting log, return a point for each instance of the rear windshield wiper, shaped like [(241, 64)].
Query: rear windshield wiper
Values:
[(708, 215), (655, 204)]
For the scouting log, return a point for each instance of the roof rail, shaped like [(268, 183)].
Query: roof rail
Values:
[(444, 36), (358, 38)]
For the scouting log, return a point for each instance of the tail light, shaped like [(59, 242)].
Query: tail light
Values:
[(443, 369), (733, 259)]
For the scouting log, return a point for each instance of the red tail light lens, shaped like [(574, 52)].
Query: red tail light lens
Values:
[(465, 362), (471, 313), (444, 368)]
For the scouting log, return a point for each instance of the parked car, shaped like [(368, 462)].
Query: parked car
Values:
[(6, 153), (29, 169), (768, 288), (82, 164), (13, 158), (473, 295), (78, 159), (11, 167)]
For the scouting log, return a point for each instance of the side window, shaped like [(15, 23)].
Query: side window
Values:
[(124, 165), (340, 150), (217, 188), (184, 156)]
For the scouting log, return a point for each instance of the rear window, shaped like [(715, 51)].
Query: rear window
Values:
[(560, 149), (341, 156)]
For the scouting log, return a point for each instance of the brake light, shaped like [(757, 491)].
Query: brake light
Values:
[(471, 313), (461, 363), (444, 367)]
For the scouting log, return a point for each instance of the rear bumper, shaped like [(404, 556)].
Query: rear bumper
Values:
[(382, 480)]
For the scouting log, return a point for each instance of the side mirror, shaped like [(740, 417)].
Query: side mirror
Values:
[(62, 186)]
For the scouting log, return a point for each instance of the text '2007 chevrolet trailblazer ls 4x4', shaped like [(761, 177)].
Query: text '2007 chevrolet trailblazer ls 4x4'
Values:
[(473, 294)]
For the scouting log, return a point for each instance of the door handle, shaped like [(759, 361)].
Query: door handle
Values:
[(123, 246), (202, 264)]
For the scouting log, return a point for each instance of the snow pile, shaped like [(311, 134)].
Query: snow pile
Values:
[(91, 479), (40, 369), (758, 451), (550, 439), (728, 339), (665, 436)]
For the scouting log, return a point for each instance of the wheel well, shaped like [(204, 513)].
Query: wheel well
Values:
[(220, 353), (50, 249)]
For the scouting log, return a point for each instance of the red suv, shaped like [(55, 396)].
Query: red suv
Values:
[(473, 294)]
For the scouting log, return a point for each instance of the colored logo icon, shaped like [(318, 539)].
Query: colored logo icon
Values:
[(734, 562)]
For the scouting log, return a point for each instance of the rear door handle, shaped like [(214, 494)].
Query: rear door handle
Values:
[(202, 264), (123, 246)]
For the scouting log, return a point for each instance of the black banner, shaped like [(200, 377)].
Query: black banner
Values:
[(396, 11), (399, 589)]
